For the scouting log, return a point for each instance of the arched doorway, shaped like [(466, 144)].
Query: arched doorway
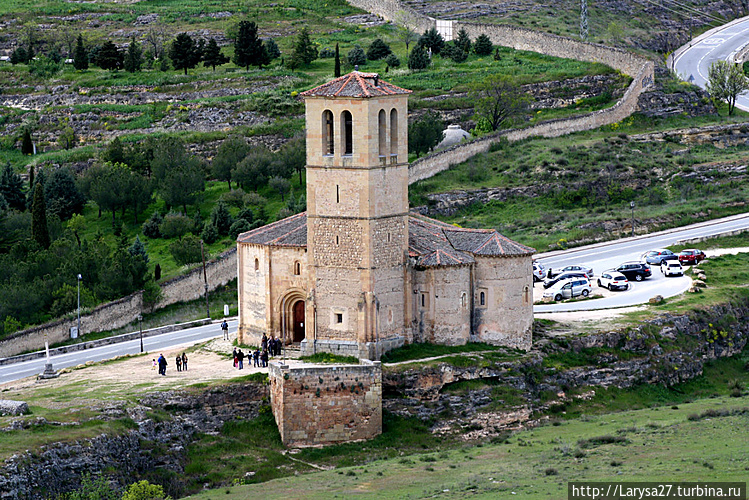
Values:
[(297, 321)]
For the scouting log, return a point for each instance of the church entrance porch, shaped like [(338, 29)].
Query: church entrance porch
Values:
[(297, 332)]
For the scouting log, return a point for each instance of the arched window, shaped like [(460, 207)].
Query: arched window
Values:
[(327, 133), (382, 126), (526, 295), (482, 299), (347, 124), (393, 133), (297, 268), (257, 265)]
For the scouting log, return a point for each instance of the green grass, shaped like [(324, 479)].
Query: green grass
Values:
[(328, 358), (735, 241)]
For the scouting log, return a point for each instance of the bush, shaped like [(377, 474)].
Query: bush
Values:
[(221, 218), (210, 234), (186, 251), (551, 471), (326, 53), (392, 61), (175, 226), (357, 57), (151, 226), (239, 226), (235, 198), (482, 46), (378, 50)]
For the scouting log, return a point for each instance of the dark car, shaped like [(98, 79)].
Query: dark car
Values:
[(637, 271), (560, 277), (692, 256)]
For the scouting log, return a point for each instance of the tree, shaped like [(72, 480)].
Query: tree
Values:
[(221, 218), (378, 50), (272, 48), (213, 56), (482, 46), (109, 186), (39, 230), (133, 57), (80, 56), (27, 146), (248, 48), (357, 57), (425, 132), (19, 56), (337, 64), (109, 57), (184, 52), (114, 152), (725, 82), (11, 189), (253, 171), (304, 51), (229, 154), (293, 155), (140, 193), (185, 250), (77, 224), (94, 489), (179, 177), (61, 194), (138, 250), (463, 41), (67, 136), (431, 39), (418, 59), (155, 37), (392, 61), (152, 227), (281, 185), (498, 100), (408, 22)]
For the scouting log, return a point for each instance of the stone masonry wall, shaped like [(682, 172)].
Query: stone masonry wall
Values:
[(322, 405), (640, 68), (124, 311)]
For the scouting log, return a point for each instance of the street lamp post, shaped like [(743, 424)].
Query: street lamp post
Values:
[(140, 327), (632, 206), (79, 304)]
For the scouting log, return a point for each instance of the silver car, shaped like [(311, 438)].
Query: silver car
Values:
[(570, 288)]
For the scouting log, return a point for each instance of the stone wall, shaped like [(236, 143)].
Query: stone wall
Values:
[(442, 305), (124, 311), (323, 405), (640, 68)]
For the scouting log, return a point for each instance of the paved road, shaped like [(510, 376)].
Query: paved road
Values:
[(152, 345), (719, 44), (608, 255)]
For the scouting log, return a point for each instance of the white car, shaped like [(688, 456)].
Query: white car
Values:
[(569, 288), (672, 268), (613, 280), (539, 272)]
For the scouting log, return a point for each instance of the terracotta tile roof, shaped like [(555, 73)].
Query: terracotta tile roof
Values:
[(355, 84), (288, 232), (431, 242)]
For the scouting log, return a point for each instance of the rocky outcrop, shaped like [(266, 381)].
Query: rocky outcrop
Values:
[(152, 443), (10, 407)]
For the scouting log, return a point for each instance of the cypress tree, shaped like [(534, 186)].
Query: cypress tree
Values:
[(27, 147), (39, 230), (337, 70), (80, 56)]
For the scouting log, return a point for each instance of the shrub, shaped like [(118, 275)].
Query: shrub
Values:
[(151, 226), (239, 226), (175, 226), (357, 57), (234, 198), (210, 234), (186, 251), (378, 50), (392, 61), (482, 46), (221, 218), (551, 471), (326, 53)]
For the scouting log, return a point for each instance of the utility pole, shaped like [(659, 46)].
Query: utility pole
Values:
[(205, 280), (632, 206), (584, 20)]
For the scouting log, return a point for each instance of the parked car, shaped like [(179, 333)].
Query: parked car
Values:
[(656, 256), (564, 276), (570, 288), (672, 268), (539, 271), (637, 271), (692, 256), (569, 269), (613, 280)]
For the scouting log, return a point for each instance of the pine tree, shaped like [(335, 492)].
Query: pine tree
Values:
[(27, 147), (418, 59), (39, 230), (221, 219), (133, 57), (378, 50), (80, 56), (482, 46), (304, 51), (337, 68), (109, 57), (212, 56), (248, 48), (273, 51), (463, 41), (11, 188), (431, 39), (138, 250), (184, 52)]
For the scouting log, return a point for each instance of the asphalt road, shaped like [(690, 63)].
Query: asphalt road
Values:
[(609, 255), (720, 44), (152, 345)]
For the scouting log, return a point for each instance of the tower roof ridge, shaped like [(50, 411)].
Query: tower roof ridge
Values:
[(356, 84)]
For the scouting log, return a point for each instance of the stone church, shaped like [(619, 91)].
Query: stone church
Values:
[(357, 274)]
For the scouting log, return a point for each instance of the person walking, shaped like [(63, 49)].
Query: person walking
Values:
[(240, 359), (162, 365), (225, 329), (178, 361), (234, 353), (153, 366), (184, 362)]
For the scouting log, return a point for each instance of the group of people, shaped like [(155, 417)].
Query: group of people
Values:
[(259, 357), (180, 360)]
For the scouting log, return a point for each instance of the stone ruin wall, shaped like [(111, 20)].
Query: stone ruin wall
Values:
[(124, 311), (323, 405)]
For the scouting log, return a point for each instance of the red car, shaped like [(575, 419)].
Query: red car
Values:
[(691, 256)]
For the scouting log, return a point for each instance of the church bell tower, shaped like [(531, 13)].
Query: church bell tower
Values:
[(357, 215)]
